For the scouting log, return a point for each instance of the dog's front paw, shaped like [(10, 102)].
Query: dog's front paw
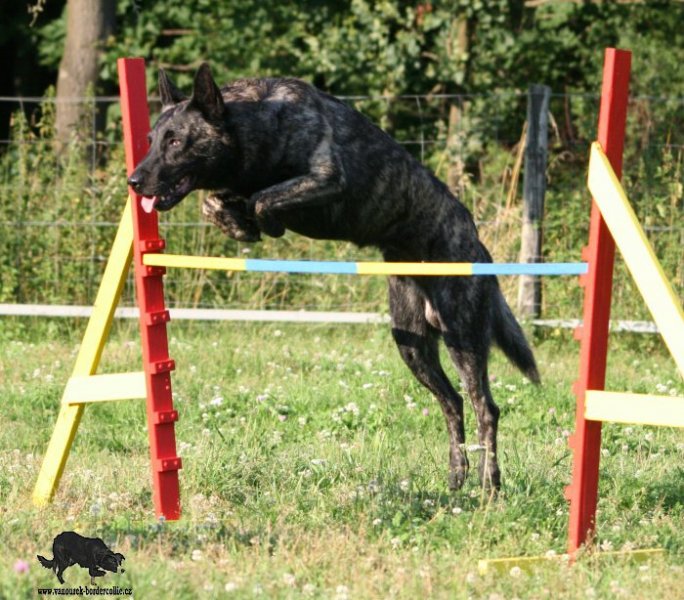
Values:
[(266, 222), (231, 218)]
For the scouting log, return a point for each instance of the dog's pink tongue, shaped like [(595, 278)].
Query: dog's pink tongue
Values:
[(148, 203)]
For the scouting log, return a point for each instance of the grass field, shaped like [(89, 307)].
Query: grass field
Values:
[(315, 466)]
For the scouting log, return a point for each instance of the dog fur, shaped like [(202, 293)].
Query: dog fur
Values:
[(279, 154), (69, 548)]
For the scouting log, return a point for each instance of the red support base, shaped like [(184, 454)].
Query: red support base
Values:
[(600, 254), (149, 284)]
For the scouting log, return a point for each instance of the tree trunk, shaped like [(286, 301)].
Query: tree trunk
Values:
[(89, 22)]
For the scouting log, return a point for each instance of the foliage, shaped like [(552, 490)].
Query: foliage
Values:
[(394, 47), (379, 55)]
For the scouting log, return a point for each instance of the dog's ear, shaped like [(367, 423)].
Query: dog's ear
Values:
[(168, 92), (206, 96)]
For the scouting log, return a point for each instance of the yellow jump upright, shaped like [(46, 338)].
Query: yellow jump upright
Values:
[(84, 386), (638, 253), (657, 293)]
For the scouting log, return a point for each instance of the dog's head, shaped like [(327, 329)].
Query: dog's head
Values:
[(187, 144), (110, 561)]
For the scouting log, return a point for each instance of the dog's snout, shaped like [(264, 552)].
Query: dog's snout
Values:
[(135, 181)]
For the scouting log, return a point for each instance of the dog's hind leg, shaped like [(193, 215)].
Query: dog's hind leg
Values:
[(464, 317), (471, 362), (59, 571), (473, 370), (418, 345)]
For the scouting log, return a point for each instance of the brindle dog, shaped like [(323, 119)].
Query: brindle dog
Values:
[(279, 154)]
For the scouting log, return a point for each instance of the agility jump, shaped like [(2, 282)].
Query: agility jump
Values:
[(138, 241)]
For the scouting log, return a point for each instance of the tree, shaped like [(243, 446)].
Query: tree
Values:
[(89, 23)]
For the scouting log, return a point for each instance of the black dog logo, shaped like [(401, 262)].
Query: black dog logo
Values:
[(69, 548)]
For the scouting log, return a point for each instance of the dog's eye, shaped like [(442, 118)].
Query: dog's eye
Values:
[(174, 143)]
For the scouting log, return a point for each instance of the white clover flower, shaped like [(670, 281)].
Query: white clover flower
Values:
[(353, 408), (341, 592)]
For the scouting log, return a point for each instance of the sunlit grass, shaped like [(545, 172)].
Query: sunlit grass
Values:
[(315, 466)]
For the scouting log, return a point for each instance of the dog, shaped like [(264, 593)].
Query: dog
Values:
[(69, 548), (277, 154)]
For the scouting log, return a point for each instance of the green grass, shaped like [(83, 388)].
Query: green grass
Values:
[(315, 466)]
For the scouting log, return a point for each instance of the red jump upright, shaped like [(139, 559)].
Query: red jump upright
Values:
[(600, 255), (149, 284)]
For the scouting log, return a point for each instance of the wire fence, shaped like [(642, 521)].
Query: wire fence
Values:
[(58, 216)]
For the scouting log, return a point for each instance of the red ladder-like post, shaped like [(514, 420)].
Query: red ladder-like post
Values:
[(598, 283), (149, 284)]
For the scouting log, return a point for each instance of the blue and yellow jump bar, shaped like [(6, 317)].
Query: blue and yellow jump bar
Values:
[(360, 268)]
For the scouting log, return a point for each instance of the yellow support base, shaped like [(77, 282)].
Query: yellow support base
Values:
[(634, 409), (105, 388), (529, 563)]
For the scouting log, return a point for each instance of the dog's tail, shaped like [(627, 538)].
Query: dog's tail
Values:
[(48, 564), (509, 336)]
